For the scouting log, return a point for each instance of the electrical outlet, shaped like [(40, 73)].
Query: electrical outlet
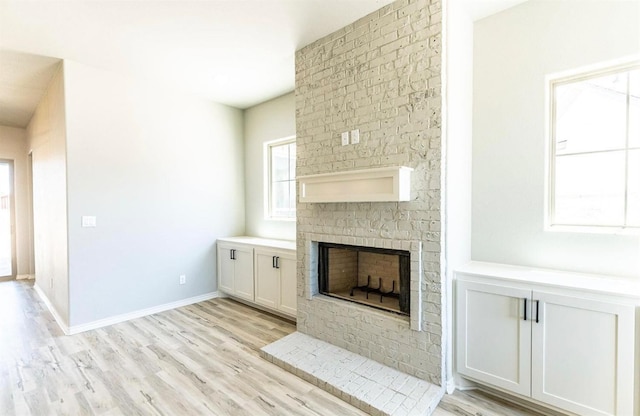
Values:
[(345, 138), (355, 136), (88, 221), (183, 279)]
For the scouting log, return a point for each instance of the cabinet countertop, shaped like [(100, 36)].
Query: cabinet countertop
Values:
[(613, 285), (263, 242)]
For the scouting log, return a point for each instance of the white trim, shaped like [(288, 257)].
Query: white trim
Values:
[(467, 388), (267, 176), (262, 308), (25, 277), (450, 386), (593, 70), (592, 229), (367, 185), (76, 329), (549, 154), (551, 82), (61, 323)]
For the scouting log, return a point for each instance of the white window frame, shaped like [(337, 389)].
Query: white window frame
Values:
[(267, 175), (551, 82)]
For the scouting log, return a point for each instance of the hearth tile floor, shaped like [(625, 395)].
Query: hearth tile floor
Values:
[(365, 383)]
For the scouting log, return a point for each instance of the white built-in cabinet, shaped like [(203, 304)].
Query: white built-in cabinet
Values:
[(276, 279), (258, 270), (568, 345), (235, 270)]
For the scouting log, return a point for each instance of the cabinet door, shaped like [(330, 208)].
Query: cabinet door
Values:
[(583, 355), (288, 284), (493, 338), (267, 279), (225, 270), (243, 276)]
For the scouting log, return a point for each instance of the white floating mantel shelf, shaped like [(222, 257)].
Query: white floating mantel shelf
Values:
[(367, 185)]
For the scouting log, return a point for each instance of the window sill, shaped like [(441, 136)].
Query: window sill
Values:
[(280, 219), (585, 229)]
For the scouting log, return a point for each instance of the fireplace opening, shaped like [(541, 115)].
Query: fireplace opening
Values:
[(375, 277)]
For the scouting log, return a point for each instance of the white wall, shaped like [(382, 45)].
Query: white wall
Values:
[(47, 141), (163, 174), (514, 50), (271, 120), (14, 146)]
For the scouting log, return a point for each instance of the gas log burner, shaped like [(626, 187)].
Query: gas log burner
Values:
[(376, 277)]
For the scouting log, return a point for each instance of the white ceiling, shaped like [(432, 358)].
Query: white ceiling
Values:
[(23, 80), (236, 52)]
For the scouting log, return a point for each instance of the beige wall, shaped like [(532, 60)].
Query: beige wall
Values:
[(538, 38), (265, 122), (456, 152), (13, 146), (46, 135), (163, 173)]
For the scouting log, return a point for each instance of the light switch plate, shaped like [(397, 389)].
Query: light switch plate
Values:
[(345, 138), (355, 136), (88, 221)]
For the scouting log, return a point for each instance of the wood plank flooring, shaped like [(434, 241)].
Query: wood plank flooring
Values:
[(199, 359)]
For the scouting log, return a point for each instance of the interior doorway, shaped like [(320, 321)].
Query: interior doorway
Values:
[(7, 241)]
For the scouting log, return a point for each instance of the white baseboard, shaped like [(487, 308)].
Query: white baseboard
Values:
[(76, 329), (140, 313), (61, 323), (462, 383), (25, 277), (260, 307), (451, 386)]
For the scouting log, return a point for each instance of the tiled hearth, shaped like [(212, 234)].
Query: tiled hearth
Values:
[(361, 377), (365, 383)]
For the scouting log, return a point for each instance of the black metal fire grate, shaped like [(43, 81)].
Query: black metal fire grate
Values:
[(377, 290)]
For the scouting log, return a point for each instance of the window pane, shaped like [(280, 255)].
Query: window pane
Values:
[(283, 202), (282, 180), (590, 115), (634, 110), (280, 163), (280, 199), (589, 189), (292, 196), (633, 196)]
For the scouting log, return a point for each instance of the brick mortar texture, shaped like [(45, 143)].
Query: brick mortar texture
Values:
[(382, 75)]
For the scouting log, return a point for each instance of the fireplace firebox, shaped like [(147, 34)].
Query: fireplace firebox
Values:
[(376, 277)]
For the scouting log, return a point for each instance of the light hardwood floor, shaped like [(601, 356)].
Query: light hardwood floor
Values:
[(199, 359)]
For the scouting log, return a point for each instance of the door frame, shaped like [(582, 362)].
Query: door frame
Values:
[(12, 217)]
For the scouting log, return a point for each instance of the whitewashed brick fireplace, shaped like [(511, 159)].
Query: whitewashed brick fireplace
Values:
[(380, 75)]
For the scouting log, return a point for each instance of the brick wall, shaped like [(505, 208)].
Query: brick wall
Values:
[(381, 75), (348, 269), (379, 266), (343, 269)]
